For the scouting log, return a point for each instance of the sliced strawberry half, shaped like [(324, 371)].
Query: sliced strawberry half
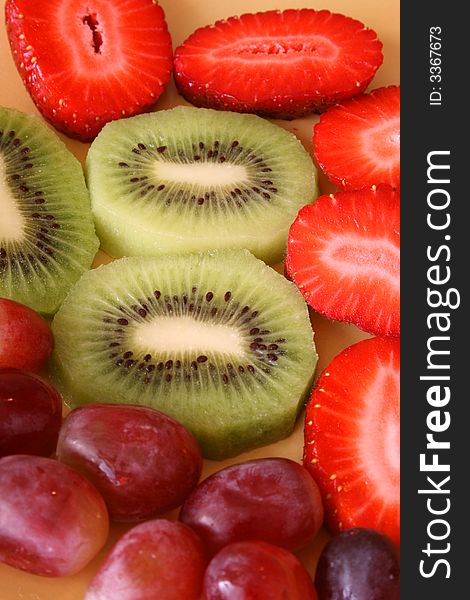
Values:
[(352, 437), (343, 253), (87, 62), (280, 64), (357, 143)]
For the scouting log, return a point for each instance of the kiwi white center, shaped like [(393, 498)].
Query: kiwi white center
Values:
[(204, 173), (185, 334), (12, 222)]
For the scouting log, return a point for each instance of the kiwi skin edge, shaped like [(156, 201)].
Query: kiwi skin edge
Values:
[(228, 412)]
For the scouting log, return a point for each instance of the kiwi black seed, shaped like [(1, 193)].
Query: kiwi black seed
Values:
[(47, 237), (193, 179), (217, 340)]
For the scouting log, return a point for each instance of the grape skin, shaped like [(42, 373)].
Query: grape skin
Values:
[(26, 337), (52, 520), (155, 560), (270, 499), (358, 563), (254, 570), (30, 414), (142, 461)]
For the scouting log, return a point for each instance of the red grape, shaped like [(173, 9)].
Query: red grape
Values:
[(270, 499), (254, 570), (156, 560), (26, 339), (52, 520), (30, 414), (142, 461), (358, 563)]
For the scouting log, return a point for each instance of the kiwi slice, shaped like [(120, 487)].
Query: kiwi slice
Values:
[(218, 340), (47, 238), (194, 179)]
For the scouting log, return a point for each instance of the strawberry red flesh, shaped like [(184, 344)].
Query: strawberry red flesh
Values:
[(357, 143), (87, 63), (352, 431), (343, 253), (281, 64)]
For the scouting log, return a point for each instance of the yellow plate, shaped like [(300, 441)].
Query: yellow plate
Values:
[(183, 16)]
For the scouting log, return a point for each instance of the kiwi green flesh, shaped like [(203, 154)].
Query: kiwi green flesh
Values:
[(47, 237), (192, 179), (218, 340)]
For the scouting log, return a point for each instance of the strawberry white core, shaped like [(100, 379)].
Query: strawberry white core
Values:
[(289, 46), (204, 173), (379, 432), (383, 142), (356, 256), (187, 335), (12, 221)]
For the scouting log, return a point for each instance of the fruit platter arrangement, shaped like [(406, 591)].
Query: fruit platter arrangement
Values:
[(199, 300)]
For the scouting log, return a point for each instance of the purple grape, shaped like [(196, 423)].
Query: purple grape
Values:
[(270, 499), (155, 560), (30, 414), (52, 520), (358, 564), (254, 570), (142, 461)]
